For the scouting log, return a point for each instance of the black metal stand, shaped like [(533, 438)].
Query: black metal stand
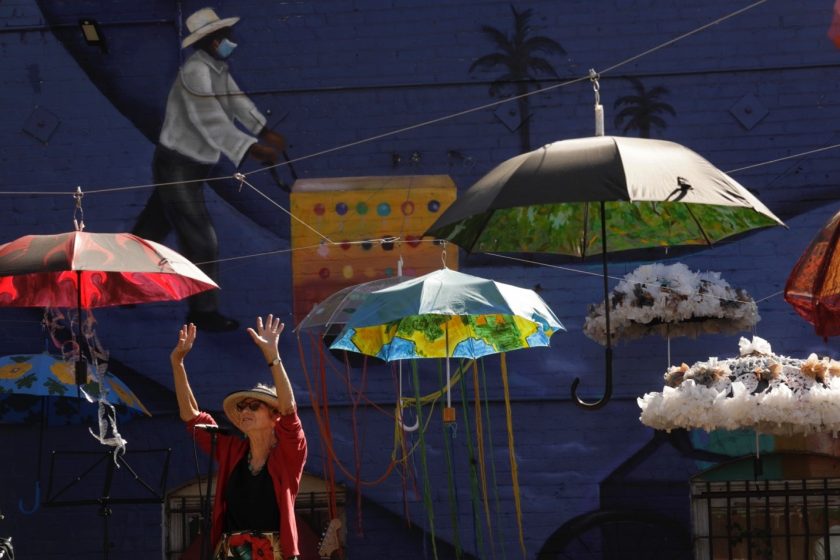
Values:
[(111, 460), (206, 510)]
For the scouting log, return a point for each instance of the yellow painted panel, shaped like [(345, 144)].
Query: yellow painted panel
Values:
[(343, 230)]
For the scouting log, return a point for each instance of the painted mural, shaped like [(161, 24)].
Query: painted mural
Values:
[(385, 109)]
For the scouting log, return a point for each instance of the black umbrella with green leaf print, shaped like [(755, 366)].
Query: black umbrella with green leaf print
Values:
[(600, 195)]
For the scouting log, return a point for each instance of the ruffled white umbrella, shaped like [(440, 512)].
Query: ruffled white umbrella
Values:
[(671, 301), (757, 390)]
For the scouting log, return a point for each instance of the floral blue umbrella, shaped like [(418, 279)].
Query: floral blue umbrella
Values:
[(41, 388), (446, 314)]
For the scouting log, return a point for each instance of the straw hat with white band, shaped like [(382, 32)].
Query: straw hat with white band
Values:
[(203, 23)]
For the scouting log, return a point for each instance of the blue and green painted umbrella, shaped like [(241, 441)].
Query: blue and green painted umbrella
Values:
[(448, 314), (27, 379), (40, 389)]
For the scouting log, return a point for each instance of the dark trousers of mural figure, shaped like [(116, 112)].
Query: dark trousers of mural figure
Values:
[(179, 204)]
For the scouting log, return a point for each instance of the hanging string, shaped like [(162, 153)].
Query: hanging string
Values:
[(514, 471), (474, 486), (427, 490), (330, 469), (449, 433), (357, 451), (407, 473), (482, 469), (319, 420), (494, 480), (108, 432)]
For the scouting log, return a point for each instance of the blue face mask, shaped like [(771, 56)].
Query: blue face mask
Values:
[(225, 48)]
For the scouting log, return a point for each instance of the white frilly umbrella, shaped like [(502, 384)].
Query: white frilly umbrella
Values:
[(757, 390), (671, 301)]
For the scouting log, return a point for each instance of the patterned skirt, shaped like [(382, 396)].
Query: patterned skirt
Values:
[(249, 545)]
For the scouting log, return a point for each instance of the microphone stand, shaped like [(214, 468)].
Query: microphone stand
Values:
[(207, 521)]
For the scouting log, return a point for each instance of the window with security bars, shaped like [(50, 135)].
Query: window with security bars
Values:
[(182, 515), (771, 514)]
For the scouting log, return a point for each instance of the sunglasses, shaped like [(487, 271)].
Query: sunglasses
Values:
[(253, 406)]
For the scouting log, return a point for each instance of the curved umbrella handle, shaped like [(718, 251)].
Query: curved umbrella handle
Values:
[(37, 504), (407, 428), (607, 386)]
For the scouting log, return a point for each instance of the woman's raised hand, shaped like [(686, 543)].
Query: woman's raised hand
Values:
[(186, 339), (267, 335)]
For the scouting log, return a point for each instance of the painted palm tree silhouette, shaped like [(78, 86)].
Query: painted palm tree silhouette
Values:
[(519, 55), (642, 111)]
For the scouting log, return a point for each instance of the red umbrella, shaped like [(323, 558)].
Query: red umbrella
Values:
[(834, 28), (80, 269), (813, 287)]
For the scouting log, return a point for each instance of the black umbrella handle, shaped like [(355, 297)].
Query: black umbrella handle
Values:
[(608, 386), (608, 352)]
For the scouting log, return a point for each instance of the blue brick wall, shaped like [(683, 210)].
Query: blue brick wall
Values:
[(340, 72)]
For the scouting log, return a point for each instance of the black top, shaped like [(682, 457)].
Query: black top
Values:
[(251, 504)]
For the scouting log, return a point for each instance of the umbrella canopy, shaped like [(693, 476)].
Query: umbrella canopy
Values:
[(336, 310), (656, 194), (448, 314), (757, 390), (40, 376), (329, 316), (40, 388), (671, 301), (570, 196), (813, 287), (80, 269)]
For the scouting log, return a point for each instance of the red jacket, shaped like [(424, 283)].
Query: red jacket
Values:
[(285, 465)]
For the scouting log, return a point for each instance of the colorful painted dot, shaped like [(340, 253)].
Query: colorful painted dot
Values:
[(347, 271), (388, 271), (362, 208), (367, 245), (341, 208), (383, 209), (319, 209), (387, 245), (324, 273), (412, 240), (433, 206), (345, 245), (407, 208)]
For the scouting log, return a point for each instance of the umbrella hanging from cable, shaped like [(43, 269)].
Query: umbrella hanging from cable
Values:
[(601, 195), (40, 387), (813, 286), (448, 314)]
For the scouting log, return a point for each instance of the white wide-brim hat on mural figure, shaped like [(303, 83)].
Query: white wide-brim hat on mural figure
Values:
[(204, 22)]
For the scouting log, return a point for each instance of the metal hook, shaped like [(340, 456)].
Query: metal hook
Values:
[(78, 212), (596, 87), (599, 109)]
